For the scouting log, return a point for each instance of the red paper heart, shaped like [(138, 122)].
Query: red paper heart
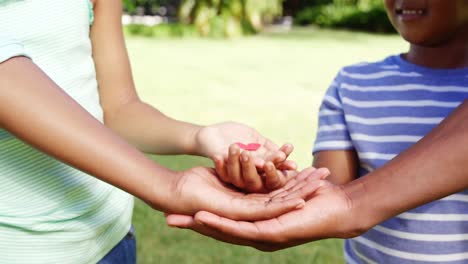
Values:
[(249, 147)]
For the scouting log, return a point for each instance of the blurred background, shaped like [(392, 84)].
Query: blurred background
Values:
[(204, 60)]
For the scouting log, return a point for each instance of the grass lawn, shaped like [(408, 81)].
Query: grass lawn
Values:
[(207, 81)]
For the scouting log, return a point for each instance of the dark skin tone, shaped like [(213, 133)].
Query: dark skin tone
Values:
[(119, 142), (438, 37), (437, 31)]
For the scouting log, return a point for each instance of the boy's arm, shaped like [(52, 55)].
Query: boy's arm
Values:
[(433, 168), (343, 165), (333, 148)]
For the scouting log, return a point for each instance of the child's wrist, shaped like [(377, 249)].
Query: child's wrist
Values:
[(191, 145), (361, 216), (160, 191)]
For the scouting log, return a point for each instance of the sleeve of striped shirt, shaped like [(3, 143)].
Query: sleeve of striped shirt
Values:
[(332, 132), (9, 48)]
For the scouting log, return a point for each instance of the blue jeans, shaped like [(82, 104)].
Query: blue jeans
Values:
[(124, 252)]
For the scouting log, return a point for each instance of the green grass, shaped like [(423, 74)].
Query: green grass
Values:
[(207, 81)]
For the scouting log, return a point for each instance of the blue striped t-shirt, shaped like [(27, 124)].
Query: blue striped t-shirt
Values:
[(379, 110)]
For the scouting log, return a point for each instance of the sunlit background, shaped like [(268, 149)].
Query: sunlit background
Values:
[(265, 63)]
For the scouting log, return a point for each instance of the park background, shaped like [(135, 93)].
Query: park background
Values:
[(204, 60)]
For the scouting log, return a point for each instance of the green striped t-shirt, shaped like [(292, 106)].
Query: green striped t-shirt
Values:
[(50, 212)]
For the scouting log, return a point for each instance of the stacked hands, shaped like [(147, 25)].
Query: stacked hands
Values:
[(255, 196)]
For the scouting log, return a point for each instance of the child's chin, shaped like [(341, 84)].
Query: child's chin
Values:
[(423, 40)]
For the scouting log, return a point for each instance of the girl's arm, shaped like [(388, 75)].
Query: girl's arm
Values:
[(36, 110), (151, 131), (137, 122)]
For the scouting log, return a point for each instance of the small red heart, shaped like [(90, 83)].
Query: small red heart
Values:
[(249, 147)]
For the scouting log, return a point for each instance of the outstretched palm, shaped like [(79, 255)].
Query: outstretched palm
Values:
[(324, 215), (199, 189)]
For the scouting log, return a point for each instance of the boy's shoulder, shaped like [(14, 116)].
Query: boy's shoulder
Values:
[(389, 63)]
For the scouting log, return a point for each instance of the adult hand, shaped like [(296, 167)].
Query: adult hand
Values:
[(199, 189), (327, 214), (243, 169)]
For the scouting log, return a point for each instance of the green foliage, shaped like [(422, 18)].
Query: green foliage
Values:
[(367, 15), (229, 18), (162, 30), (149, 6), (215, 18)]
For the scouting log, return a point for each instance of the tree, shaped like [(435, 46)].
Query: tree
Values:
[(229, 17)]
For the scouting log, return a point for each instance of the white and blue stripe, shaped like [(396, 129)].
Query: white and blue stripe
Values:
[(379, 110)]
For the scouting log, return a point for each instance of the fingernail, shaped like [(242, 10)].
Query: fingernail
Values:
[(245, 158)]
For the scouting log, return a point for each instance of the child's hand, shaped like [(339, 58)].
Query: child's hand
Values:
[(216, 142), (213, 142), (248, 170)]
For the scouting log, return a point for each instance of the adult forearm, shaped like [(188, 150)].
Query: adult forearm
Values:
[(151, 131), (431, 169), (35, 110)]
